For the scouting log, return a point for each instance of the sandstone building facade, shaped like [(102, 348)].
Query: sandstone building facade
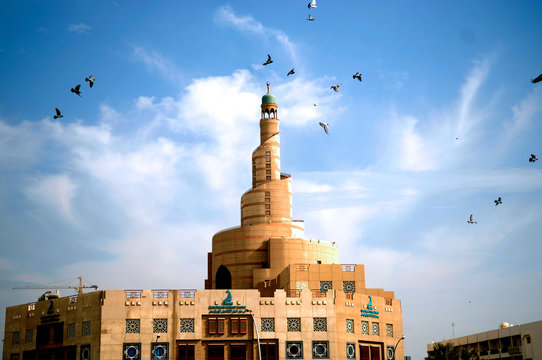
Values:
[(270, 293)]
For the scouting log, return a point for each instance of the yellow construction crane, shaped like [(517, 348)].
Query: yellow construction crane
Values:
[(79, 288)]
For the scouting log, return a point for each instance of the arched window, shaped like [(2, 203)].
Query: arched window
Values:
[(223, 278), (272, 113)]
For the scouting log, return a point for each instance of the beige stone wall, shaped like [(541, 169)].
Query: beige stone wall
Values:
[(76, 309)]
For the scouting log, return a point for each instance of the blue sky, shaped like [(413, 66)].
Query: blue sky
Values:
[(129, 186)]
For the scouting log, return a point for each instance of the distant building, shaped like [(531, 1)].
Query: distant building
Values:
[(512, 342), (270, 292)]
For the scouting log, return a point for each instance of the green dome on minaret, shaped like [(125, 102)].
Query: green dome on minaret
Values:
[(268, 98)]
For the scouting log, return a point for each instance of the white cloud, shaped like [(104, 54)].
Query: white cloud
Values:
[(80, 28), (304, 186)]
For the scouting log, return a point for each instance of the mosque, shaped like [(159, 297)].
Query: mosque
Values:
[(270, 293)]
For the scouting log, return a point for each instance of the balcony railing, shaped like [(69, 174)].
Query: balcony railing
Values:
[(187, 293), (160, 294), (302, 267), (133, 294), (318, 293), (293, 292)]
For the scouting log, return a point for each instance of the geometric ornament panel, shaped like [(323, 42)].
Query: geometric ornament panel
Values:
[(159, 326), (187, 325), (133, 326), (365, 327)]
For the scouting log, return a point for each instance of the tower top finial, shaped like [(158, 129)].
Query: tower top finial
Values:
[(267, 87)]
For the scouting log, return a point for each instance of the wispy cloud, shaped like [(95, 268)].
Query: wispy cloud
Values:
[(55, 192), (225, 14), (80, 28), (156, 61)]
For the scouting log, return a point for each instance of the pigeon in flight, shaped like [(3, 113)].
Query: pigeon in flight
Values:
[(291, 72), (312, 4), (269, 61), (336, 87), (90, 80), (76, 90), (357, 76), (538, 79), (310, 18), (471, 220), (58, 114), (533, 158), (498, 201), (325, 126)]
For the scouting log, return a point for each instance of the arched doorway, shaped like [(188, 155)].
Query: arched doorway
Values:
[(223, 278)]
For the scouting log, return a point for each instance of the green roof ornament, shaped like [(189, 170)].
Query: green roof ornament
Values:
[(268, 98)]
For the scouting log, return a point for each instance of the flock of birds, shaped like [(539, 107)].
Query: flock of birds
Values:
[(357, 76), (77, 91)]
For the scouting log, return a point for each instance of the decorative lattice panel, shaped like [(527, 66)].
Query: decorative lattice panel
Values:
[(133, 326), (268, 325), (365, 327), (187, 325), (389, 330), (319, 324), (320, 349), (85, 330), (294, 349), (376, 329), (293, 324), (70, 330), (326, 285), (350, 326), (349, 286), (159, 326)]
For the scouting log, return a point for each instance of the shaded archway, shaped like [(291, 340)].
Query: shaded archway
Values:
[(223, 278)]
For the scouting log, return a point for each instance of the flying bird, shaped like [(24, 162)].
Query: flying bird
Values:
[(312, 4), (269, 61), (90, 80), (76, 90), (58, 114), (336, 87), (471, 220), (533, 158), (498, 201), (310, 18), (325, 126), (538, 79), (291, 72), (357, 76)]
